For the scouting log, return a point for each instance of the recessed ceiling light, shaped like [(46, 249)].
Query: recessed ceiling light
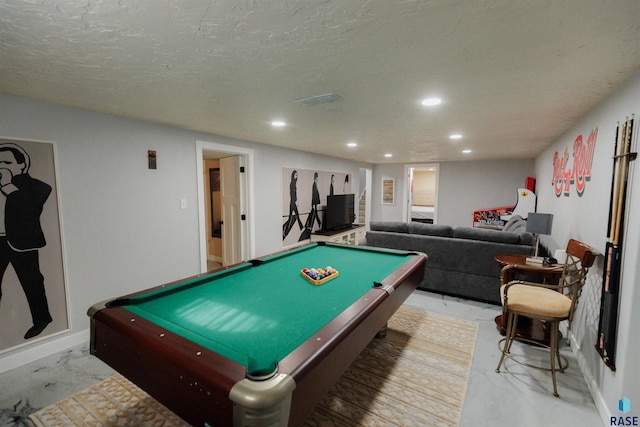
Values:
[(455, 136), (352, 144), (430, 102), (388, 155), (278, 123), (466, 151)]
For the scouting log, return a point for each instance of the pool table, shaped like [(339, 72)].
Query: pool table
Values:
[(254, 343)]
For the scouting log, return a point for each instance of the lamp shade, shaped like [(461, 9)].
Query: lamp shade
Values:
[(539, 223)]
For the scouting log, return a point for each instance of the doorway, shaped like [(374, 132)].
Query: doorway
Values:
[(422, 197), (225, 210), (364, 197)]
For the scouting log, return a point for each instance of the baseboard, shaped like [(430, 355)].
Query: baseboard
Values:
[(598, 399), (37, 352)]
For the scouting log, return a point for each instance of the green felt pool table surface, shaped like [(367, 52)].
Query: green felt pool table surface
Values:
[(256, 315)]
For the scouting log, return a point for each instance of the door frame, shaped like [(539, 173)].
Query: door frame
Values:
[(217, 150), (408, 194)]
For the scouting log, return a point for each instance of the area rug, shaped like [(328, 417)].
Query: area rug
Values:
[(416, 376)]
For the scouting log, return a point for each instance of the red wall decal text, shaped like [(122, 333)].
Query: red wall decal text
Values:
[(580, 171)]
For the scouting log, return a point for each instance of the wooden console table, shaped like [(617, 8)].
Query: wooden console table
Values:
[(533, 330)]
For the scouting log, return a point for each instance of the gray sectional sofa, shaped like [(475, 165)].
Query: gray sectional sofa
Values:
[(461, 259)]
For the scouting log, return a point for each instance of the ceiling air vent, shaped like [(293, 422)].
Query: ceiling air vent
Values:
[(319, 99)]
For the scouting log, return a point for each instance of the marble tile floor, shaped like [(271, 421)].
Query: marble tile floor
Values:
[(517, 396)]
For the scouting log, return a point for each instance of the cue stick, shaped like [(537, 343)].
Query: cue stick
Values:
[(615, 195), (623, 181), (613, 182), (617, 149), (618, 182)]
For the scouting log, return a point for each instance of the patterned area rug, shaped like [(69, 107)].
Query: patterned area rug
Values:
[(112, 402), (416, 376)]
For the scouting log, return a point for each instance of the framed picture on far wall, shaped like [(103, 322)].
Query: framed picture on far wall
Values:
[(388, 188), (304, 199), (33, 284)]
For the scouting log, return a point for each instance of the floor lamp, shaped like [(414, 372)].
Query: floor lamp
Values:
[(538, 223)]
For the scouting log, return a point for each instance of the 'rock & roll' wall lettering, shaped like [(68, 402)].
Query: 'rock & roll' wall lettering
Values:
[(580, 172)]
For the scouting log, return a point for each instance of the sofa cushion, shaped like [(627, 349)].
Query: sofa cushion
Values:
[(430, 229), (526, 239), (394, 226), (486, 235)]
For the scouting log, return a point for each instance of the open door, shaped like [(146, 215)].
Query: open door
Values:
[(422, 197), (230, 176), (238, 210)]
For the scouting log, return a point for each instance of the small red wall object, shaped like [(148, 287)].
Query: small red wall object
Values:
[(530, 184)]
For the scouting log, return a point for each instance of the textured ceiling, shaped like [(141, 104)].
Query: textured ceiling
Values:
[(513, 75)]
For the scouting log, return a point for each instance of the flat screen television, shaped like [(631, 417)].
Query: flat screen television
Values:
[(340, 212)]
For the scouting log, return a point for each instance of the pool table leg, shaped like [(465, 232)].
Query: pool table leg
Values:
[(382, 332), (262, 403)]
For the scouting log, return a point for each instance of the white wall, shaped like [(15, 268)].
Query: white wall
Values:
[(388, 212), (468, 186), (268, 195), (123, 229), (585, 218), (463, 187)]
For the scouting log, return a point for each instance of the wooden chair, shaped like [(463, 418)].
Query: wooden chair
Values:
[(546, 302)]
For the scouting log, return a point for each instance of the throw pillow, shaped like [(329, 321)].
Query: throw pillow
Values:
[(515, 221)]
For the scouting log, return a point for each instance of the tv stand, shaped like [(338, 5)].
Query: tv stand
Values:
[(350, 236)]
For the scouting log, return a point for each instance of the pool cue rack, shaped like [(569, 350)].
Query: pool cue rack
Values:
[(607, 328)]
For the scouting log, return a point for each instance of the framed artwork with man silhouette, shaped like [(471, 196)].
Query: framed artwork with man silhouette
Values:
[(33, 294)]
